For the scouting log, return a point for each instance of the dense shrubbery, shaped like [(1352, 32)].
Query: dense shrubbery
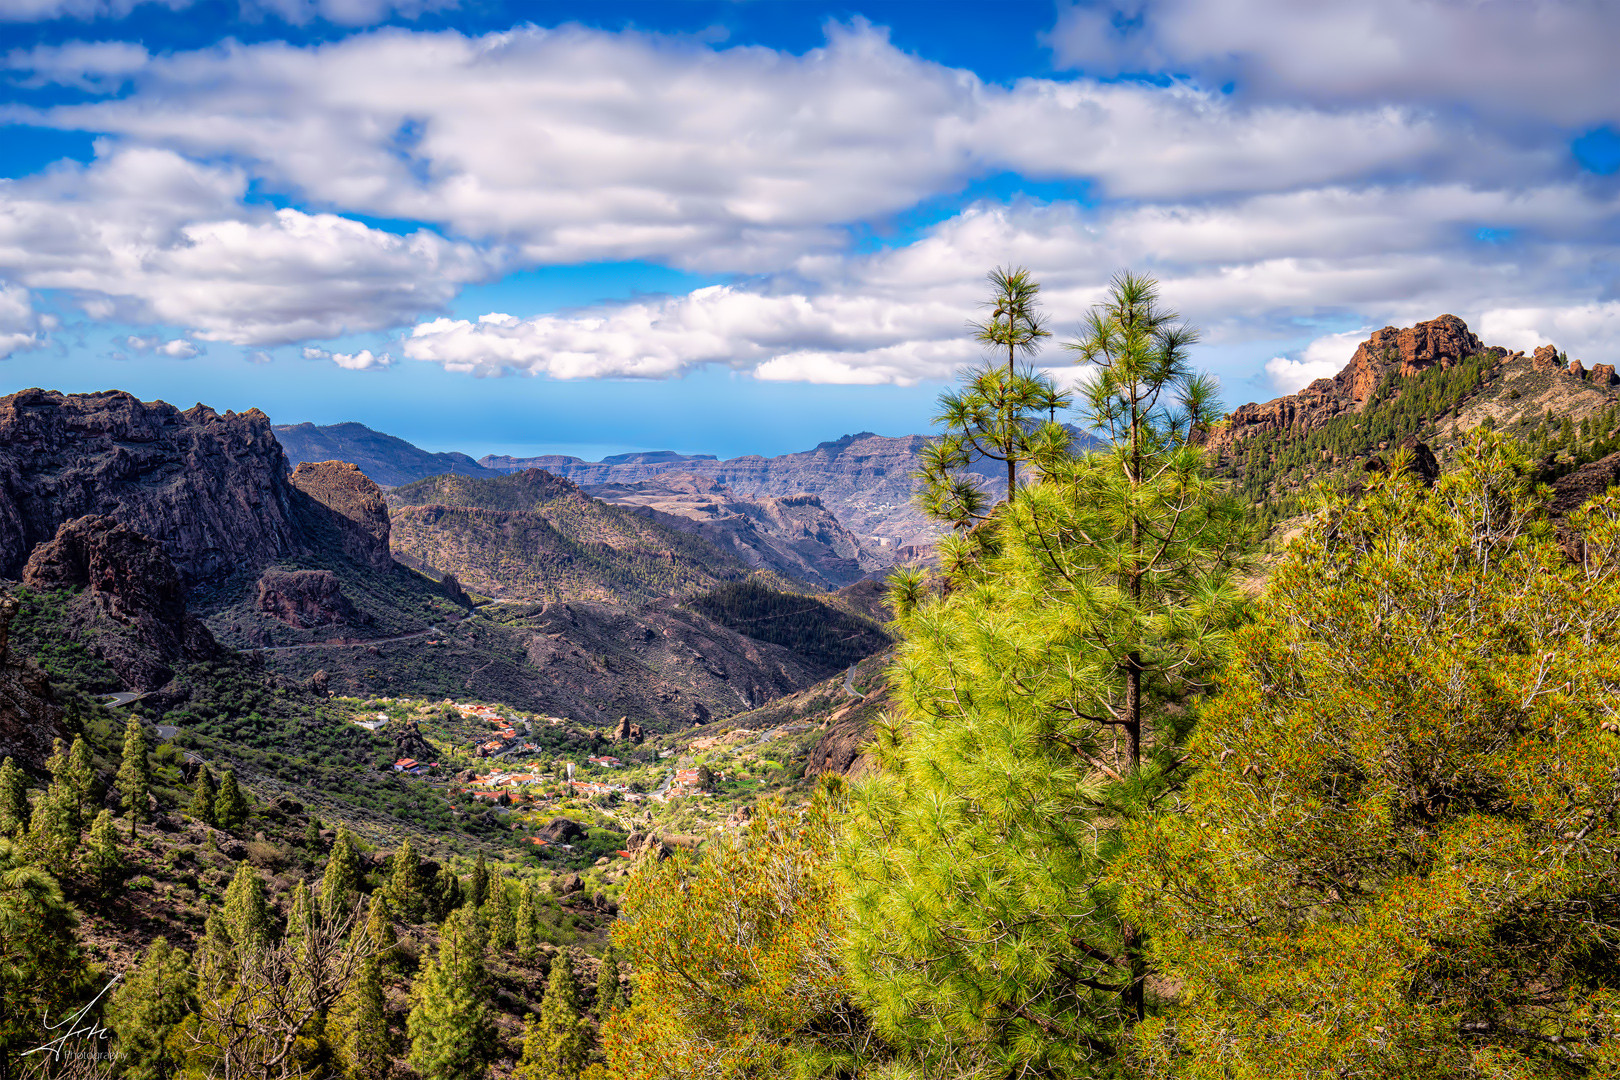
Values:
[(815, 630)]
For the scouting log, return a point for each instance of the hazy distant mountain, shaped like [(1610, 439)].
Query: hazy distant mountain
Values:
[(388, 460)]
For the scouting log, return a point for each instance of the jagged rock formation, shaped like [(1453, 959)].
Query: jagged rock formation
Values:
[(388, 460), (212, 489), (408, 741), (793, 535), (627, 732), (306, 599), (1439, 342), (1589, 481), (133, 601), (355, 505)]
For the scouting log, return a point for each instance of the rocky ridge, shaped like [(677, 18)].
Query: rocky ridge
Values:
[(388, 460), (794, 535)]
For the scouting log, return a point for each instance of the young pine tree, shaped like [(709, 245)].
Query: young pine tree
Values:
[(607, 985), (381, 938), (341, 878), (523, 934), (246, 911), (203, 794), (556, 1044), (14, 811), (41, 969), (451, 1029), (80, 778), (498, 912), (104, 857), (478, 885), (1038, 712), (405, 884), (144, 1009), (1001, 413), (135, 774), (1398, 855), (360, 1034), (230, 805)]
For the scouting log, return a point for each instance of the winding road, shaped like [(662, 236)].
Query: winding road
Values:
[(430, 631)]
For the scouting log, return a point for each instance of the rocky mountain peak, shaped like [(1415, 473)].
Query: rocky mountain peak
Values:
[(357, 506), (1441, 342)]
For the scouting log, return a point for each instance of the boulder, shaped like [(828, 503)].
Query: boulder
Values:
[(1603, 375), (1545, 358), (1577, 370)]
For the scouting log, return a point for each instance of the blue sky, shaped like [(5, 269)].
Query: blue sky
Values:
[(749, 226)]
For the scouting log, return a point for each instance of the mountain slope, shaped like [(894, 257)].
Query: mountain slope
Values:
[(388, 460), (794, 535), (534, 536)]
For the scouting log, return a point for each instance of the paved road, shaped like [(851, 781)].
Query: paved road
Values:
[(123, 697), (165, 731), (849, 682), (429, 632)]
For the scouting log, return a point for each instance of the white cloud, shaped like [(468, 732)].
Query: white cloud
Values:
[(147, 236), (364, 360), (20, 327), (297, 12), (175, 348), (1587, 332), (576, 144), (1551, 60), (41, 10), (1322, 359), (89, 65)]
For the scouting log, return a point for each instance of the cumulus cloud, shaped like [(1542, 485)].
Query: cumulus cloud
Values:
[(575, 144), (1321, 359), (149, 237), (1549, 60), (41, 10), (364, 360), (20, 327), (175, 348), (89, 65), (297, 12)]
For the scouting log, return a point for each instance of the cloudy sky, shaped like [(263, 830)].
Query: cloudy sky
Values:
[(749, 226)]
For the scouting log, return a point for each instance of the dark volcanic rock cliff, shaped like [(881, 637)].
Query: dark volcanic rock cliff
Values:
[(356, 506), (132, 599), (212, 489)]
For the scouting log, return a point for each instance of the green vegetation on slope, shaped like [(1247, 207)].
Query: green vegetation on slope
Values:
[(808, 625)]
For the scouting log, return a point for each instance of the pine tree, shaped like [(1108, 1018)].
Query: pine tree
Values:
[(105, 858), (502, 928), (203, 795), (556, 1044), (1039, 700), (312, 834), (341, 878), (246, 911), (230, 805), (451, 1030), (146, 1006), (448, 893), (607, 985), (14, 811), (300, 916), (381, 937), (405, 885), (1397, 856), (67, 791), (523, 934), (135, 774), (478, 886), (41, 969), (80, 778), (361, 1036), (52, 838)]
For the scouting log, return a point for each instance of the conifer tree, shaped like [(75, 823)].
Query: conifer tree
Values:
[(405, 885), (105, 858), (41, 969), (52, 839), (382, 939), (502, 928), (451, 1030), (607, 985), (216, 957), (14, 810), (556, 1044), (478, 885), (135, 774), (362, 1040), (523, 934), (312, 834), (79, 778), (203, 794), (300, 916), (448, 892), (67, 791), (246, 911), (145, 1008), (1036, 717), (230, 805), (1398, 854), (341, 878), (1001, 414)]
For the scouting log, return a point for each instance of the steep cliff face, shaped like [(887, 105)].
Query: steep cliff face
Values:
[(306, 599), (212, 489), (795, 535), (132, 610), (355, 506)]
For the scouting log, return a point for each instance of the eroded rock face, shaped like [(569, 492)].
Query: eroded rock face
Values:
[(1603, 375), (306, 599), (1590, 480), (129, 582), (212, 489), (356, 505), (1545, 358)]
